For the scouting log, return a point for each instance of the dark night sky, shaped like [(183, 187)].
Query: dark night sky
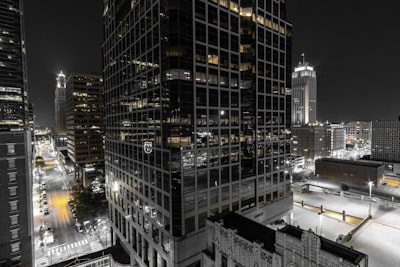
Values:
[(353, 45)]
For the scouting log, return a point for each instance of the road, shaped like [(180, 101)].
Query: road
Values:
[(68, 242)]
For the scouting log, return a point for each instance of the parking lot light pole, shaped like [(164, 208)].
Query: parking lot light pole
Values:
[(370, 183)]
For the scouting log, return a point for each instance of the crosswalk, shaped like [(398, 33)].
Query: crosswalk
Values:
[(96, 246), (63, 248), (43, 261)]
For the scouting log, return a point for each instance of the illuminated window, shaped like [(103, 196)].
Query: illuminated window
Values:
[(14, 234), (11, 163), (13, 191), (12, 177), (15, 247), (11, 148), (213, 59), (14, 220), (13, 205)]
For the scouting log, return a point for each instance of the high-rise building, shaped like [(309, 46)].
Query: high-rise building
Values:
[(60, 129), (304, 94), (335, 139), (197, 111), (385, 145), (358, 132), (15, 146), (85, 121), (318, 140)]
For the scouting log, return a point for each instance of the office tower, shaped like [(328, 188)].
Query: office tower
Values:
[(15, 146), (60, 129), (385, 145), (304, 94), (197, 111), (85, 125), (358, 132), (310, 142), (335, 139)]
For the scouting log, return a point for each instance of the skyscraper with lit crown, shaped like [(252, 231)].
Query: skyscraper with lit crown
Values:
[(60, 129), (197, 100), (16, 224), (304, 94)]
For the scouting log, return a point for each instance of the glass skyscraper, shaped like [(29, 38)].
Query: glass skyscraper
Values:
[(15, 141), (197, 104)]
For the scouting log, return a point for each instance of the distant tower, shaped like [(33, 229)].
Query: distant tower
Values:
[(59, 105), (304, 94), (60, 117)]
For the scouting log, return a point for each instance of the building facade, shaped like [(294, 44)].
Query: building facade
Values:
[(304, 94), (358, 132), (352, 172), (15, 141), (335, 139), (85, 121), (60, 119), (385, 144), (197, 111), (310, 142), (233, 240)]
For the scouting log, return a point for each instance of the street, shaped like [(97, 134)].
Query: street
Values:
[(66, 242)]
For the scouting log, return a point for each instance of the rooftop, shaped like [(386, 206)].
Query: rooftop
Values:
[(327, 245), (117, 252), (248, 229), (352, 162)]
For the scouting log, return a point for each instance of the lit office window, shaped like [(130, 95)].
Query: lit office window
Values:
[(15, 247), (11, 148)]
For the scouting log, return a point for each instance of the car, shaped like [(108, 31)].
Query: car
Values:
[(279, 221), (46, 211), (43, 186), (44, 202), (79, 227)]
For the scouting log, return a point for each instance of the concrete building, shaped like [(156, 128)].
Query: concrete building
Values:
[(60, 129), (315, 141), (385, 145), (15, 141), (358, 132), (198, 111), (335, 139), (304, 94), (233, 240), (350, 171), (85, 122)]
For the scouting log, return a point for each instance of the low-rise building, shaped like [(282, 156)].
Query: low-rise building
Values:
[(233, 240), (350, 171)]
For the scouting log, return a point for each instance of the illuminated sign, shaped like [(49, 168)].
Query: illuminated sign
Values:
[(148, 147)]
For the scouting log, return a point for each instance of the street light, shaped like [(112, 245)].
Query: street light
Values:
[(321, 216), (370, 183)]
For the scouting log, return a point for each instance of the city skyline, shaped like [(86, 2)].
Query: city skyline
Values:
[(70, 45)]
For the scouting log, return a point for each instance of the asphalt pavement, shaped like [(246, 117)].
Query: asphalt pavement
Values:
[(68, 242)]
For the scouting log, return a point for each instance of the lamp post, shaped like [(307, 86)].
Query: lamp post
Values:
[(370, 183), (321, 216)]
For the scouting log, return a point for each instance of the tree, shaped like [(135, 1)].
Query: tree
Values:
[(87, 204)]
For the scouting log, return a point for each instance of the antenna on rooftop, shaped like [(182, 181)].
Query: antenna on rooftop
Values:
[(303, 57)]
